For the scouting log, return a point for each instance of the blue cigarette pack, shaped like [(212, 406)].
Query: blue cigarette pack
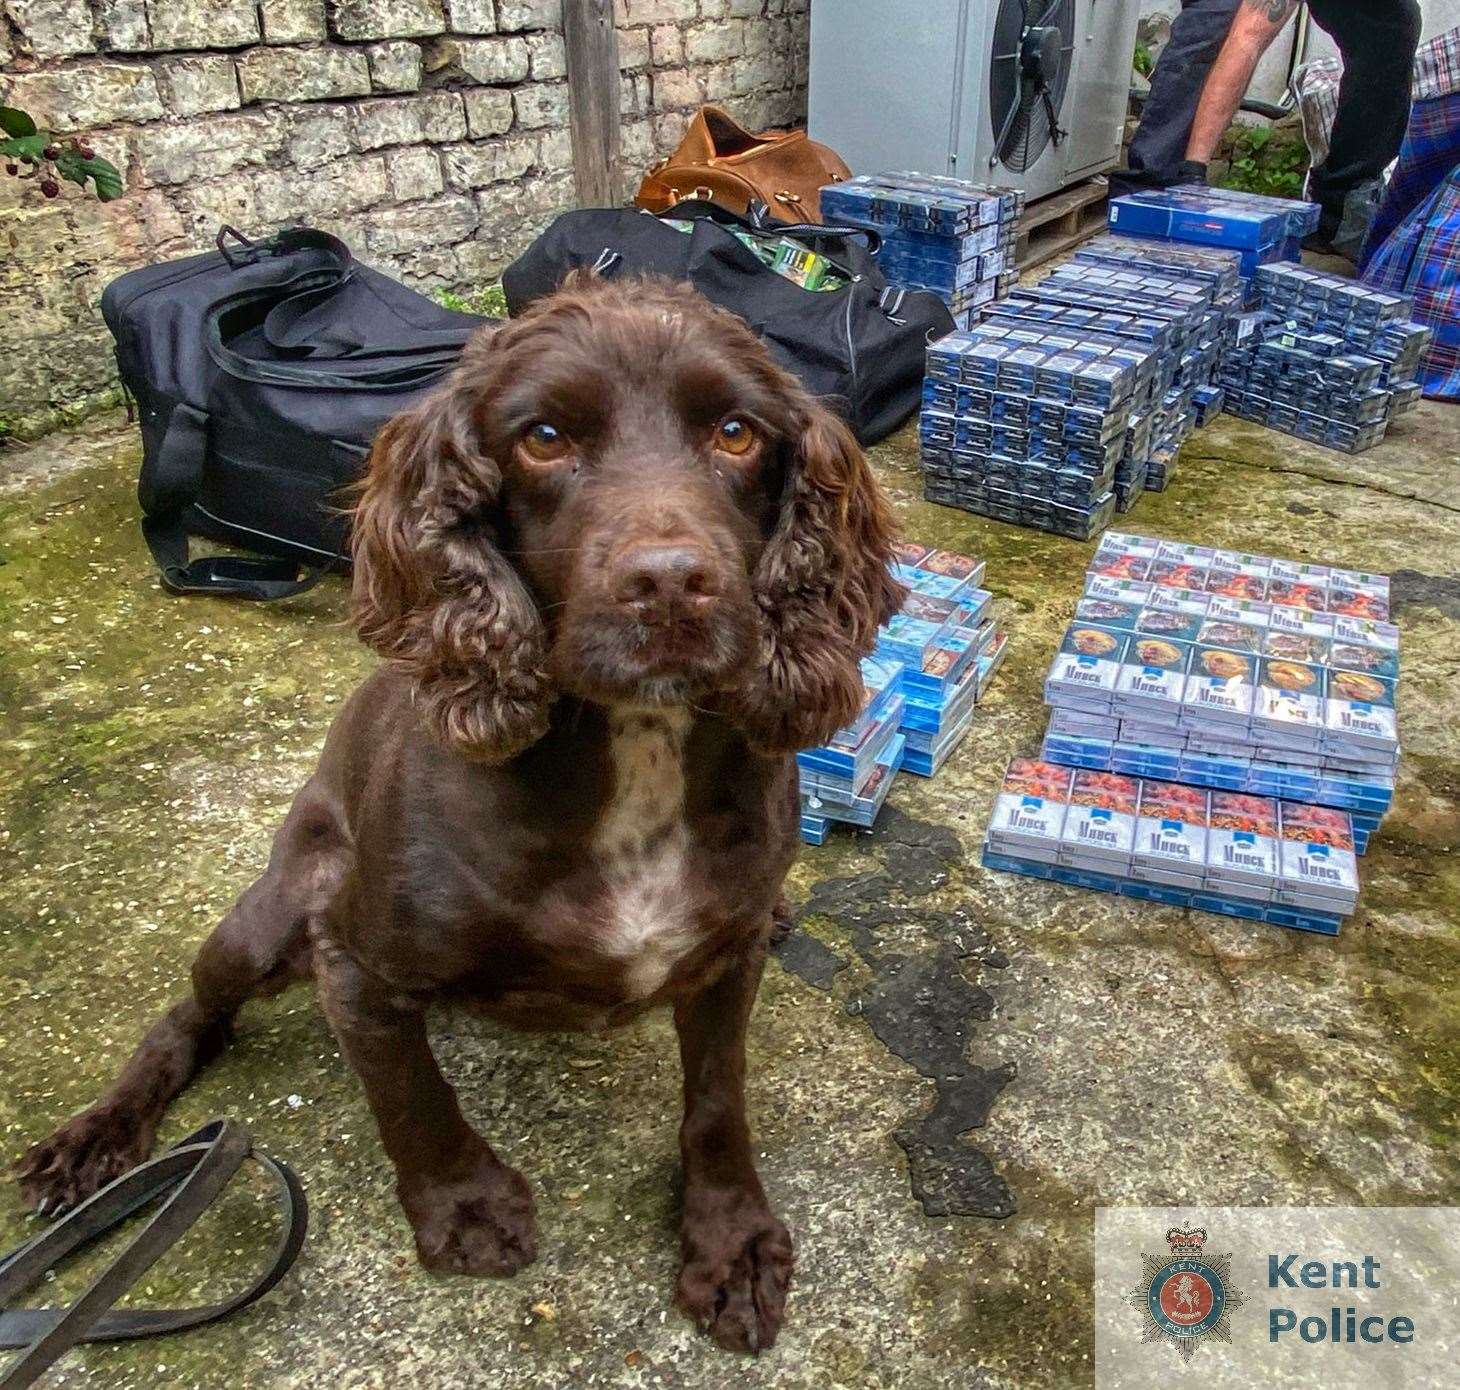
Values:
[(1198, 218)]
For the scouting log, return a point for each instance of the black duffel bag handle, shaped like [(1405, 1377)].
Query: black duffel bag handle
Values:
[(172, 479), (189, 1176)]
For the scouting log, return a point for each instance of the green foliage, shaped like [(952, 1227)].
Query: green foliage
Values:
[(30, 153), (1263, 163), (1141, 60), (490, 301)]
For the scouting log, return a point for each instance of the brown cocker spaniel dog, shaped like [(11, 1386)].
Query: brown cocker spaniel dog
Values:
[(620, 567)]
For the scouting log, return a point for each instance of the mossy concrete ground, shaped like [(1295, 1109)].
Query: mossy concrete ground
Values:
[(151, 744)]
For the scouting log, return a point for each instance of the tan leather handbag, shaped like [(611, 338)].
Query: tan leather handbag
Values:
[(718, 161)]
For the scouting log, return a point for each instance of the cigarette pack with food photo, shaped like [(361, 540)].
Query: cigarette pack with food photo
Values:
[(1318, 865), (1029, 811), (1171, 834), (1288, 702), (1152, 678), (1360, 712), (1099, 828), (1242, 851), (1084, 669), (1219, 686)]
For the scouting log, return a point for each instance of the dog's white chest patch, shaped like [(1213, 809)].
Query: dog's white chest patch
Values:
[(641, 845)]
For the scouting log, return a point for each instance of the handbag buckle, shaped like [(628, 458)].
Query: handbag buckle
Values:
[(786, 197)]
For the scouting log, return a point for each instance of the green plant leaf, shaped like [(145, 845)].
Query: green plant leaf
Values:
[(1258, 136), (14, 121), (70, 165), (17, 147)]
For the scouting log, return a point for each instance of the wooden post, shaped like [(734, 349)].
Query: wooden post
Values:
[(593, 100)]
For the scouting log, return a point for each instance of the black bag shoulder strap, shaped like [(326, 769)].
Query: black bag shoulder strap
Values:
[(189, 1176), (172, 479)]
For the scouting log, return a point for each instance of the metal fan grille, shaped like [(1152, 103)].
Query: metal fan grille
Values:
[(1026, 91)]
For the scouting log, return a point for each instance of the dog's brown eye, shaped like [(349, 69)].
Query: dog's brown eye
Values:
[(734, 436), (544, 443)]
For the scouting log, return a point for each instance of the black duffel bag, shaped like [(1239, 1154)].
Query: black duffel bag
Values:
[(262, 372), (861, 347)]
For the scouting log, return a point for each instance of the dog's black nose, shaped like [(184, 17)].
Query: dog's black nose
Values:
[(664, 581)]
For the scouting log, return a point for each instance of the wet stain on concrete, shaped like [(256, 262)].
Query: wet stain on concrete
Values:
[(1415, 588), (921, 1005)]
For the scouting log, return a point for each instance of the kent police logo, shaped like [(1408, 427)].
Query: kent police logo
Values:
[(1187, 1297)]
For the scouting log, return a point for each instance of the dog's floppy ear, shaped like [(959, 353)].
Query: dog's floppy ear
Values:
[(823, 588), (432, 593)]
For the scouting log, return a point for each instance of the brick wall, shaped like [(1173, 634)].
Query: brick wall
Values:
[(431, 134)]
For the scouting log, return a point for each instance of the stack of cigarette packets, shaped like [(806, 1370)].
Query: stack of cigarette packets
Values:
[(931, 666), (848, 779), (1042, 441), (946, 235), (1261, 230), (1259, 680), (1246, 856), (941, 690), (1323, 358)]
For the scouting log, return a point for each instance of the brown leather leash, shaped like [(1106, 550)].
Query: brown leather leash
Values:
[(189, 1176)]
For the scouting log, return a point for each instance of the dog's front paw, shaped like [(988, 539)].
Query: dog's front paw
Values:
[(82, 1157), (737, 1268), (479, 1223)]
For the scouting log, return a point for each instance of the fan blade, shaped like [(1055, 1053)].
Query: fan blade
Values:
[(1014, 109), (1048, 13)]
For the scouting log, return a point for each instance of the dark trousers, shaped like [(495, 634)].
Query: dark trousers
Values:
[(1197, 35), (1376, 40)]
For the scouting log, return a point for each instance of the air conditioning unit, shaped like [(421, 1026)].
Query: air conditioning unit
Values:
[(1029, 94)]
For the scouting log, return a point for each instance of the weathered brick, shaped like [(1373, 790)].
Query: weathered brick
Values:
[(88, 94), (388, 19), (744, 9), (656, 11), (472, 16), (513, 15), (347, 185), (207, 206), (202, 23), (719, 81), (758, 38), (678, 87), (542, 104), (488, 162), (715, 42), (636, 143), (555, 151), (394, 66), (488, 111), (427, 225), (292, 21), (667, 41), (752, 74), (489, 61), (546, 56), (633, 49), (432, 116), (124, 25), (208, 148), (302, 74), (414, 173), (52, 28), (192, 86), (634, 94), (318, 135)]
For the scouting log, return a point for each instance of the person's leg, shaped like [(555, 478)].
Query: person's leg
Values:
[(1159, 144), (1376, 40)]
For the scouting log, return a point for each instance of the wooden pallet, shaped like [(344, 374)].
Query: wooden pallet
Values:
[(1061, 221)]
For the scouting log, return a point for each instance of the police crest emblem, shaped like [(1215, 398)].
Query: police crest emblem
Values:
[(1185, 1297)]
